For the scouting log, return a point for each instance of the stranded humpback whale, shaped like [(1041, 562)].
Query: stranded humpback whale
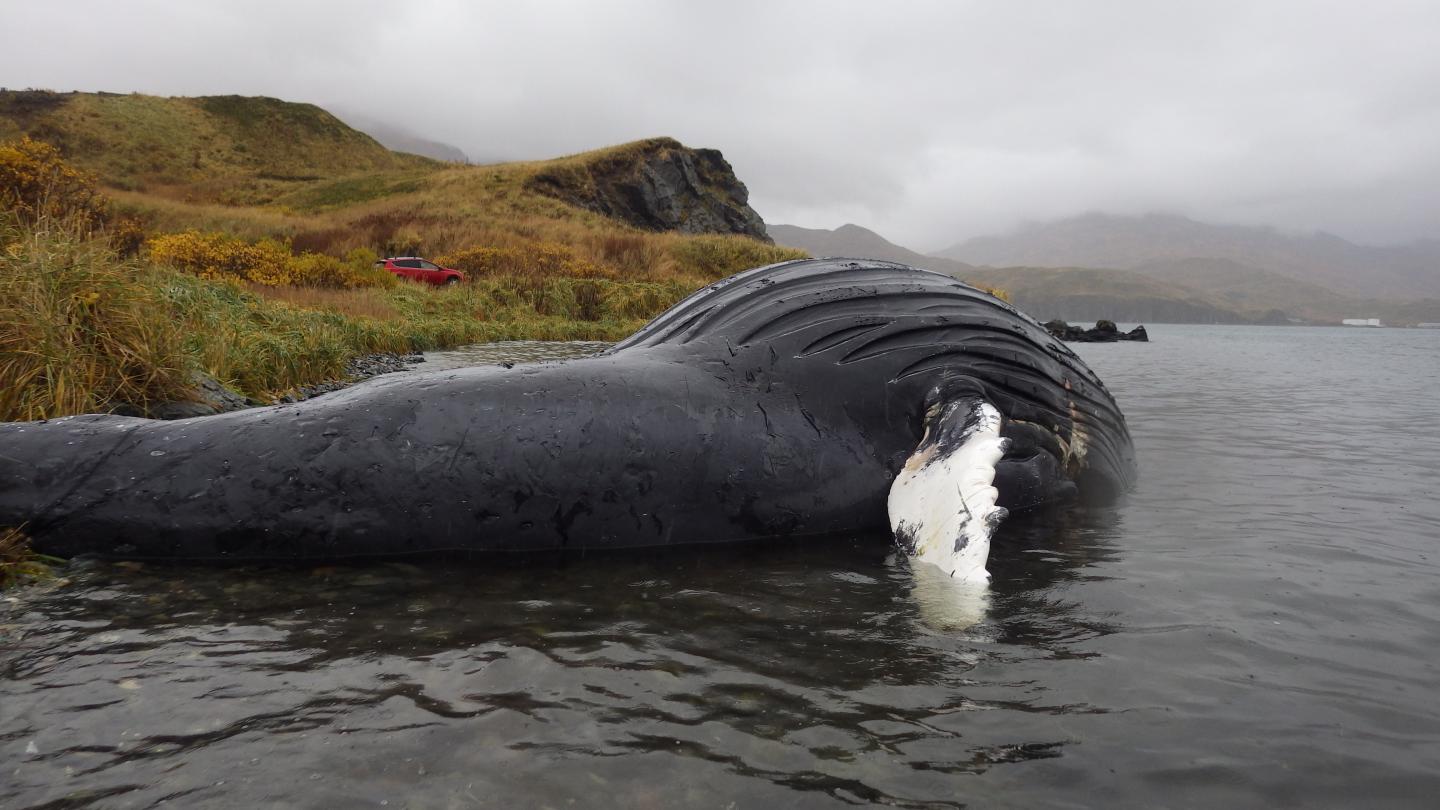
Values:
[(810, 398)]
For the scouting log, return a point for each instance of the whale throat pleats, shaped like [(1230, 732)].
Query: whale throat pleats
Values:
[(886, 323)]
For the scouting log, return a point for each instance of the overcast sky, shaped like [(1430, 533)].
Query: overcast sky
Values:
[(929, 122)]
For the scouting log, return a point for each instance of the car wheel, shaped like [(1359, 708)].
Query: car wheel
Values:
[(452, 281)]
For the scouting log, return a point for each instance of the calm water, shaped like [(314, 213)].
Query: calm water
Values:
[(1257, 625)]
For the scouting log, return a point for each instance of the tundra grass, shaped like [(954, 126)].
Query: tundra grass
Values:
[(83, 331), (80, 329), (262, 341)]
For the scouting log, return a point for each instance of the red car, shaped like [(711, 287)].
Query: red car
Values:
[(417, 269)]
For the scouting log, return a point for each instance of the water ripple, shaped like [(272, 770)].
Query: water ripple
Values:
[(1253, 626)]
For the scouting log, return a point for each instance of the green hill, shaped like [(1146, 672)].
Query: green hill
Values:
[(265, 168), (227, 149), (1188, 291), (1088, 294), (1253, 290)]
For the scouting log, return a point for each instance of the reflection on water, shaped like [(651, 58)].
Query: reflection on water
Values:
[(662, 679), (1254, 626), (946, 603)]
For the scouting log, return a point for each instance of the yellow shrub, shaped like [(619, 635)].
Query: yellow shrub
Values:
[(36, 183), (317, 270), (998, 292), (267, 262)]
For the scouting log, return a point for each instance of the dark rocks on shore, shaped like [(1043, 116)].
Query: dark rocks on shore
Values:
[(212, 397), (1103, 332)]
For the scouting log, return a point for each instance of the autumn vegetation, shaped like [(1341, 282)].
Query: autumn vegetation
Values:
[(146, 241)]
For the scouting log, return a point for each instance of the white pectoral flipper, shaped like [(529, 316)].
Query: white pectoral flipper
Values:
[(942, 504)]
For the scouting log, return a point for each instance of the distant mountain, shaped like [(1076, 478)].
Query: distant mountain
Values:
[(1077, 294), (1186, 290), (856, 242), (1104, 240)]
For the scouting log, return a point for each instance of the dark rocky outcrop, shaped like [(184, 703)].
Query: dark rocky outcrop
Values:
[(659, 185), (1103, 332)]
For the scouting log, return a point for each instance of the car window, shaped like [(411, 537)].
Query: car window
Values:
[(409, 264), (429, 266)]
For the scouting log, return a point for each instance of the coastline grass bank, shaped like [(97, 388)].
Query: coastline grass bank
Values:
[(102, 311), (84, 330)]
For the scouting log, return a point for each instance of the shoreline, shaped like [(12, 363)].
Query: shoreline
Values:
[(215, 398)]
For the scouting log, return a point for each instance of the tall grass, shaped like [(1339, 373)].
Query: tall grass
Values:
[(79, 332), (265, 340), (83, 330)]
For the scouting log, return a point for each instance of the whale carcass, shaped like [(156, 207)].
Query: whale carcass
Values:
[(810, 398)]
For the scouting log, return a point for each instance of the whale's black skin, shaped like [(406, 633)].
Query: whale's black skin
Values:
[(780, 402)]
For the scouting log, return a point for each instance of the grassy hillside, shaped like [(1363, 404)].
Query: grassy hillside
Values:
[(1251, 289), (275, 207), (228, 149), (263, 168), (1087, 294), (1188, 291)]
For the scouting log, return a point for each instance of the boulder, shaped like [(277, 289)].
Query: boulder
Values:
[(657, 185), (210, 398), (1103, 332)]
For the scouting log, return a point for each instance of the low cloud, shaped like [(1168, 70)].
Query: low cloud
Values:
[(930, 122)]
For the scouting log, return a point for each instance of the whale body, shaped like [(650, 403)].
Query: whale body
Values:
[(810, 398)]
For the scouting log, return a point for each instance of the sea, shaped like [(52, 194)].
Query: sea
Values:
[(1256, 625)]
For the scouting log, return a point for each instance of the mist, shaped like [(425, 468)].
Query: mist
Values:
[(929, 122)]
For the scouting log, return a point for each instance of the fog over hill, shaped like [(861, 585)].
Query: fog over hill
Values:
[(399, 138), (1125, 242), (931, 122)]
